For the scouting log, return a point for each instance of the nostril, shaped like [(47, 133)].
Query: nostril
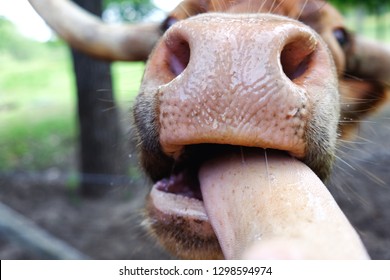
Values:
[(178, 54), (296, 58)]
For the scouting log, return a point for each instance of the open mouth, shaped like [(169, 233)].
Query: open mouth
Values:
[(176, 205), (180, 194), (220, 200)]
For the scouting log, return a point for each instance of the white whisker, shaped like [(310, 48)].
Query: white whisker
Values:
[(242, 156), (303, 8), (267, 169), (346, 163)]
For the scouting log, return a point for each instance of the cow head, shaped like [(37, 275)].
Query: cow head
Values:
[(270, 74)]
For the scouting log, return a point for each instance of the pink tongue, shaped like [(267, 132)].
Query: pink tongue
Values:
[(275, 204)]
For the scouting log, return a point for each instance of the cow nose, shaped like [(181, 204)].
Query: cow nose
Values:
[(239, 80), (293, 47)]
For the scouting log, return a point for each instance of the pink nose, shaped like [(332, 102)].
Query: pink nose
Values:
[(248, 80)]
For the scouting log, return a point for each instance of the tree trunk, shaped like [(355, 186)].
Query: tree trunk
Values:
[(100, 135)]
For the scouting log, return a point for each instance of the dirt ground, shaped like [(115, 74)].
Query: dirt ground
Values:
[(111, 227)]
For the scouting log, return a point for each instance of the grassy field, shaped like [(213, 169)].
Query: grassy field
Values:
[(38, 124)]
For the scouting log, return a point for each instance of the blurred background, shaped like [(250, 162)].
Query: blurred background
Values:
[(61, 198)]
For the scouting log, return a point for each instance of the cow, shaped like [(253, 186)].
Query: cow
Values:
[(238, 118)]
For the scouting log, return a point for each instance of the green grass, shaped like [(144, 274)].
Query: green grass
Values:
[(38, 127), (36, 108), (37, 145)]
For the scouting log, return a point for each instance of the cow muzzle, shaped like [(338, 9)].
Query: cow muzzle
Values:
[(218, 81), (240, 80)]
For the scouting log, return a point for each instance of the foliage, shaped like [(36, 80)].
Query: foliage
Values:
[(127, 10), (371, 5)]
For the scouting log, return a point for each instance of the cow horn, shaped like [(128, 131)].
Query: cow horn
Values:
[(369, 60), (89, 34)]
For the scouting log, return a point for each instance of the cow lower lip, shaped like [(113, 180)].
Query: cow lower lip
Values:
[(179, 195)]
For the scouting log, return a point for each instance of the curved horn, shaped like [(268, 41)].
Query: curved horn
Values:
[(369, 60), (89, 34)]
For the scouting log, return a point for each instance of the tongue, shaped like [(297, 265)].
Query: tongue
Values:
[(269, 205)]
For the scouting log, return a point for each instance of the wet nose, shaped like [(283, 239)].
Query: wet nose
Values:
[(283, 46)]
